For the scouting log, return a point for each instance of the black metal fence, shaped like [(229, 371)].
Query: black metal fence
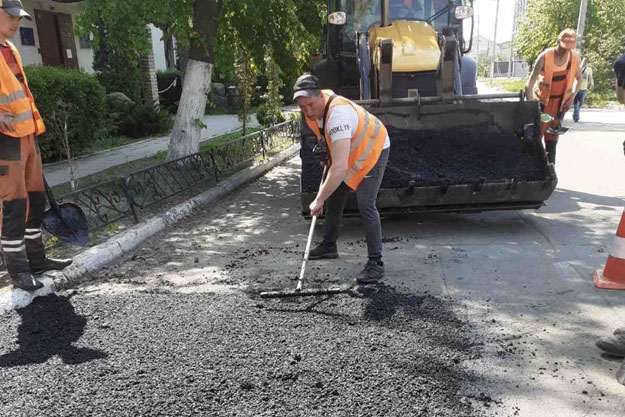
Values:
[(111, 201)]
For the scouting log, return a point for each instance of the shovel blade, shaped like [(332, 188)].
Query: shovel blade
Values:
[(68, 223)]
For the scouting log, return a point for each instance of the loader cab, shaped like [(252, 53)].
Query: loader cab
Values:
[(344, 67)]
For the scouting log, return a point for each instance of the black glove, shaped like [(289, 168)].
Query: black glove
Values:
[(321, 152)]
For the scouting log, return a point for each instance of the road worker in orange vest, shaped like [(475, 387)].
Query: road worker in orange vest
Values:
[(21, 177), (356, 146), (558, 72)]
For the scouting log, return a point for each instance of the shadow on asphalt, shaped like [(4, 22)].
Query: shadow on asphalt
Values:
[(595, 127), (565, 201), (49, 327)]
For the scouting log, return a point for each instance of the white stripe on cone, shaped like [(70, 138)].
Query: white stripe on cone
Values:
[(618, 247)]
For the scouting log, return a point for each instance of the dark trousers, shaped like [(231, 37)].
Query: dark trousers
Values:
[(366, 194), (578, 103), (23, 203), (550, 148)]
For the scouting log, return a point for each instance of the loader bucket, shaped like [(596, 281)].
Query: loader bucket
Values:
[(466, 156)]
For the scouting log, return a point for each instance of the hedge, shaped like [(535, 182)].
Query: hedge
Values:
[(83, 92), (170, 98)]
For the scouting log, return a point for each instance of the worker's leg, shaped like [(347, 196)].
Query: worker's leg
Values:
[(35, 249), (367, 195), (334, 214), (13, 157), (550, 148), (576, 105), (333, 218)]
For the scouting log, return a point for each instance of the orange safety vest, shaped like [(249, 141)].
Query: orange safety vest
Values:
[(366, 144), (547, 76), (18, 101)]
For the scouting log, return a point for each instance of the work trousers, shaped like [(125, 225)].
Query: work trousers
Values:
[(366, 194), (23, 203)]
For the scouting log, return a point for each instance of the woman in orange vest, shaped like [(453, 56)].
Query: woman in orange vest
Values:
[(560, 80), (21, 177), (358, 147)]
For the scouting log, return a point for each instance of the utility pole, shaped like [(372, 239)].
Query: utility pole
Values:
[(514, 29), (492, 56), (581, 23), (477, 48)]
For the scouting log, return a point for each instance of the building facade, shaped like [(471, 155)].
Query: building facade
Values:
[(49, 38)]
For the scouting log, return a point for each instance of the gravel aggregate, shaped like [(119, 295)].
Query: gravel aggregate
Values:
[(372, 353)]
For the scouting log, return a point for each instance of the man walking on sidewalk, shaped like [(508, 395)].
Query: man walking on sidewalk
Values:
[(21, 177), (558, 69), (356, 146), (588, 83)]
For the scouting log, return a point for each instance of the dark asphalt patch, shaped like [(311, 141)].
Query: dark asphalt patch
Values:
[(383, 353)]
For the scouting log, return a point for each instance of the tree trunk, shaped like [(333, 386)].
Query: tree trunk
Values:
[(185, 137)]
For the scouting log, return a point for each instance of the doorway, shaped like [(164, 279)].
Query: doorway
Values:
[(56, 39)]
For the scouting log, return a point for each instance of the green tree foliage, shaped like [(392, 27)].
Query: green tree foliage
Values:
[(246, 78), (293, 29), (270, 112), (604, 32)]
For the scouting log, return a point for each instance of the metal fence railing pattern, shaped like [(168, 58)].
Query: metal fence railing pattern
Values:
[(111, 201)]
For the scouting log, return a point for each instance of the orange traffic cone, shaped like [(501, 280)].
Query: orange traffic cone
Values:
[(613, 275)]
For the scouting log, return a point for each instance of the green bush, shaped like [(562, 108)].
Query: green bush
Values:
[(170, 98), (139, 120), (267, 116), (121, 75), (82, 92)]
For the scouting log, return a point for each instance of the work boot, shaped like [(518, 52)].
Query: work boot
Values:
[(614, 345), (323, 251), (372, 273), (50, 264), (25, 281)]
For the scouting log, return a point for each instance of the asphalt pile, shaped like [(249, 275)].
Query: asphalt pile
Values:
[(453, 157), (371, 354)]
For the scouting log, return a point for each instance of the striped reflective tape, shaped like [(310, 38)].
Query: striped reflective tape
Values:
[(33, 236), (12, 249), (9, 98), (366, 154), (23, 116), (360, 137), (618, 247), (11, 242)]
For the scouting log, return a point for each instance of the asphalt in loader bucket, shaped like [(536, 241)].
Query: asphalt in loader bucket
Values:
[(467, 156)]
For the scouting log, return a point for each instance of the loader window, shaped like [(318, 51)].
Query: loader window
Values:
[(362, 14)]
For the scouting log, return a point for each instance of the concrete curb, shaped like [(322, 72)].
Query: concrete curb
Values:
[(114, 248)]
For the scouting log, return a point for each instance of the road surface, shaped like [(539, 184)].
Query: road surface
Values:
[(479, 314)]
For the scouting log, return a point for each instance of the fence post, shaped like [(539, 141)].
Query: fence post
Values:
[(216, 169), (131, 201)]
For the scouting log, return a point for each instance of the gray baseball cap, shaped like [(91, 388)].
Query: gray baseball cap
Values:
[(306, 86), (14, 8)]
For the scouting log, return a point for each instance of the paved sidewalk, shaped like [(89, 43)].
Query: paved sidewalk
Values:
[(58, 173)]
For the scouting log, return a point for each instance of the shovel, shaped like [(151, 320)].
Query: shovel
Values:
[(65, 221)]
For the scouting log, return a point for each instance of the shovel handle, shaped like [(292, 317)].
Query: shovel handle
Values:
[(311, 231), (51, 198)]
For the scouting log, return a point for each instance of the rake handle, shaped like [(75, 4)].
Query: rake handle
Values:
[(311, 232)]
